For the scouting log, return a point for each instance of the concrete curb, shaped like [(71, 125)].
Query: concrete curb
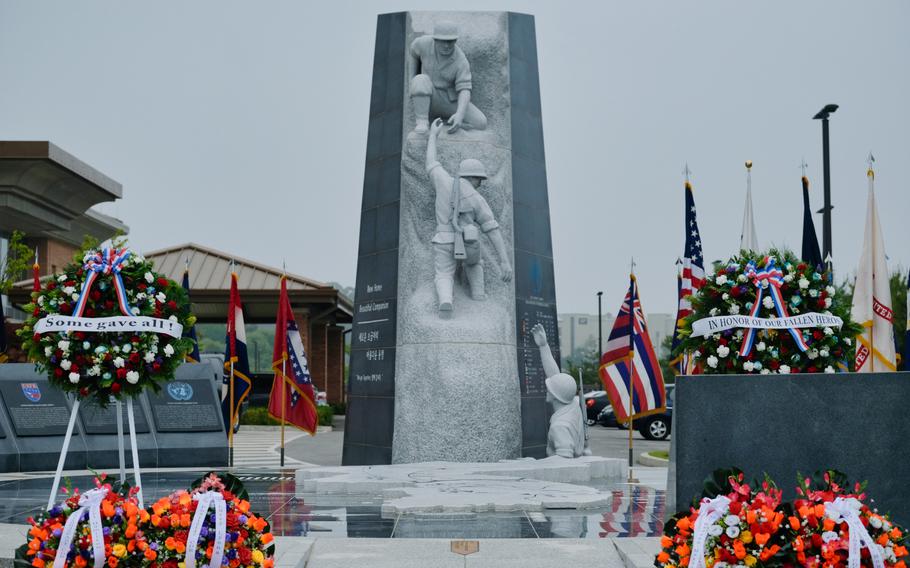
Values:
[(651, 461)]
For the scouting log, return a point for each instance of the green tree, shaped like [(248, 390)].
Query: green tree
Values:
[(586, 361), (13, 266)]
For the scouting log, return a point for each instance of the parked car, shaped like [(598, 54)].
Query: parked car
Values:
[(658, 426), (595, 402)]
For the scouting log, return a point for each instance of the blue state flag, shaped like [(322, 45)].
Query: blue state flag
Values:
[(192, 356), (236, 363)]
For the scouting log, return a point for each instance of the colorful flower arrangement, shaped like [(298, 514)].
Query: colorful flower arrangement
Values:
[(121, 519), (734, 525), (159, 536), (823, 534), (110, 282), (795, 289), (742, 526)]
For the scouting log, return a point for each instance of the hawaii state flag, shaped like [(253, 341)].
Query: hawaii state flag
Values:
[(293, 385), (872, 307), (629, 356), (235, 352), (190, 332)]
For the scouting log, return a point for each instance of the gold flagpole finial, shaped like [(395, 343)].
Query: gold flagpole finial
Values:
[(748, 164), (870, 160)]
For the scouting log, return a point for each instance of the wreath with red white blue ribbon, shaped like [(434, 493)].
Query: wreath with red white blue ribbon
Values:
[(108, 326)]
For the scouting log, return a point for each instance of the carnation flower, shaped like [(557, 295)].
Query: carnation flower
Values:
[(830, 290), (74, 377), (760, 346), (749, 366), (742, 278), (714, 312), (63, 345), (725, 296), (813, 293), (48, 351), (712, 361), (721, 279), (788, 278), (732, 532), (118, 362), (812, 354), (715, 530), (126, 348), (828, 331), (848, 341), (784, 369), (767, 302), (828, 302), (765, 372), (723, 351), (66, 364), (168, 350), (829, 369), (149, 277), (161, 297), (734, 309), (824, 353), (731, 520), (803, 283), (148, 357), (67, 290), (132, 377)]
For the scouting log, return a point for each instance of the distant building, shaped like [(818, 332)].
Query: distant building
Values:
[(578, 332)]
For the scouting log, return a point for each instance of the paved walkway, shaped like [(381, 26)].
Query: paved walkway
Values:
[(259, 447)]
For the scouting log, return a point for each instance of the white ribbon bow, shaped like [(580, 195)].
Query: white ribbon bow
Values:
[(847, 511), (710, 512), (216, 500), (91, 501)]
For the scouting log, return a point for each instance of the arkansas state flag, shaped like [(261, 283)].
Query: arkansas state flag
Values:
[(872, 307), (235, 352), (292, 387)]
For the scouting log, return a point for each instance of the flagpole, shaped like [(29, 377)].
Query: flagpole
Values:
[(284, 385), (631, 365), (871, 175), (231, 385)]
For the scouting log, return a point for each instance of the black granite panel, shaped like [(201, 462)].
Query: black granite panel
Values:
[(534, 277), (35, 407), (377, 276), (532, 230), (97, 420), (187, 406), (529, 182), (527, 135), (534, 425), (784, 424), (370, 415), (99, 430), (372, 372)]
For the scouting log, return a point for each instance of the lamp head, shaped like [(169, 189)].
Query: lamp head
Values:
[(825, 112)]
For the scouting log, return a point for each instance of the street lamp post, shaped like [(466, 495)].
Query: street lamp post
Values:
[(823, 115)]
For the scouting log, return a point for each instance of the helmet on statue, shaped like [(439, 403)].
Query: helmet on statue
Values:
[(445, 31), (472, 168), (562, 387)]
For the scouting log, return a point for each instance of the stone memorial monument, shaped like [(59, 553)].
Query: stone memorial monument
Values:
[(443, 366)]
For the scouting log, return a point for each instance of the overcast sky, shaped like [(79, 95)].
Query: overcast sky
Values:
[(242, 126)]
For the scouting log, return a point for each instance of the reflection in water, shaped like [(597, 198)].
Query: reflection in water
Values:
[(637, 511)]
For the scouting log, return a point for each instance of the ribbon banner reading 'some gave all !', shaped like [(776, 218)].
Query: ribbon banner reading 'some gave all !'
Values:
[(114, 324), (708, 326)]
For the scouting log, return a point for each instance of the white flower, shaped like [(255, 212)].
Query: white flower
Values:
[(812, 354), (765, 372), (712, 361), (63, 345), (731, 520), (723, 351), (48, 351), (813, 293), (734, 309), (66, 364), (828, 302), (721, 279), (149, 278), (824, 353), (86, 345), (828, 331), (749, 366), (784, 369), (739, 334), (829, 536), (132, 377), (154, 348), (168, 350), (115, 349), (136, 311), (715, 530), (173, 319), (848, 341), (760, 346), (742, 278), (152, 301), (716, 336), (40, 300), (875, 522), (161, 297), (721, 565), (95, 371), (829, 369), (68, 290), (713, 312), (126, 348), (830, 290), (61, 278), (767, 302), (140, 296), (118, 362), (74, 378), (696, 354), (725, 296), (788, 278), (733, 531), (149, 357), (74, 296), (803, 283)]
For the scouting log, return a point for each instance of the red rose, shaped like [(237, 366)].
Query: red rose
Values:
[(134, 357), (172, 304), (820, 303), (58, 372), (181, 536), (157, 310), (228, 496), (36, 311), (80, 335), (164, 523), (736, 507), (245, 556), (65, 309), (115, 388), (233, 522), (156, 367), (79, 272), (811, 370), (36, 338), (69, 283), (162, 282), (83, 392), (774, 364), (89, 312), (95, 295), (74, 368), (121, 373), (801, 266), (108, 356), (736, 292), (141, 286), (817, 334), (134, 339), (722, 341), (51, 285)]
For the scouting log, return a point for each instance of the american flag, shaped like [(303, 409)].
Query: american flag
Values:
[(298, 398), (690, 278), (629, 342)]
